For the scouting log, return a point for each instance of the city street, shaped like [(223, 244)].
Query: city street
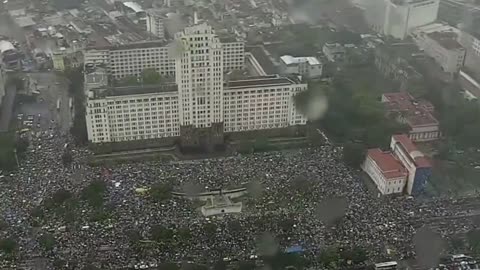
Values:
[(53, 91)]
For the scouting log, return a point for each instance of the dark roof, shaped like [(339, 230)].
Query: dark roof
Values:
[(140, 45), (134, 90), (259, 53), (258, 81), (448, 40)]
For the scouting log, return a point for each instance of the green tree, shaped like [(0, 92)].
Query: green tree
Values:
[(329, 257), (151, 76), (353, 154), (8, 245), (261, 144), (21, 145), (7, 152), (75, 87), (67, 158), (473, 238), (160, 233), (3, 225), (128, 81), (90, 267), (160, 192), (59, 197), (184, 233), (47, 241), (94, 193), (210, 229)]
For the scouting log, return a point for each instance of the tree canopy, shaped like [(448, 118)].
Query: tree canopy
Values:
[(94, 193), (8, 245)]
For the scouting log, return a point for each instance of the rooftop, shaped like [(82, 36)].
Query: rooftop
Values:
[(139, 45), (259, 81), (448, 40), (416, 155), (390, 167), (261, 56), (416, 113), (134, 90), (289, 60)]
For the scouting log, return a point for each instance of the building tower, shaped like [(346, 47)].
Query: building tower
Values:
[(154, 22), (199, 76)]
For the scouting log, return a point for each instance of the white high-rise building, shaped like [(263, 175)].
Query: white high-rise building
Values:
[(200, 107), (132, 59), (397, 18), (199, 76), (154, 21)]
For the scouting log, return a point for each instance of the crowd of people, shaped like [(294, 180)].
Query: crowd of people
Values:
[(304, 197)]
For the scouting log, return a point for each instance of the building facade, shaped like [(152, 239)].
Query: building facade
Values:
[(418, 166), (443, 47), (460, 12), (132, 113), (262, 103), (116, 114), (471, 42), (154, 23), (404, 169), (199, 108), (397, 18), (309, 67), (199, 76), (417, 114), (132, 59), (386, 171)]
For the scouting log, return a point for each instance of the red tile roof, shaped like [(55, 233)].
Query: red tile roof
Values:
[(390, 167), (420, 160), (416, 113)]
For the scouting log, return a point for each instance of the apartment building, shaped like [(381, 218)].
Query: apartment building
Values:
[(460, 12), (201, 100), (116, 114), (132, 113), (397, 18), (199, 76), (417, 114), (471, 42), (440, 43), (154, 22), (262, 103), (386, 171), (132, 59)]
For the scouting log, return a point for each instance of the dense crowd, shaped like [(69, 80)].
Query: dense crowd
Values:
[(303, 197)]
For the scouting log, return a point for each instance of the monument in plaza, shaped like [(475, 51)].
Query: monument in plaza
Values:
[(218, 201)]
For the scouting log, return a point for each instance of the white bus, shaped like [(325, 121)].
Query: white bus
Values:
[(386, 266), (58, 104)]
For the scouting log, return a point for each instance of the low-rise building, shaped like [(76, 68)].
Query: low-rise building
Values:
[(441, 44), (417, 114), (393, 61), (58, 61), (386, 171), (334, 52), (309, 67), (418, 166), (403, 169)]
